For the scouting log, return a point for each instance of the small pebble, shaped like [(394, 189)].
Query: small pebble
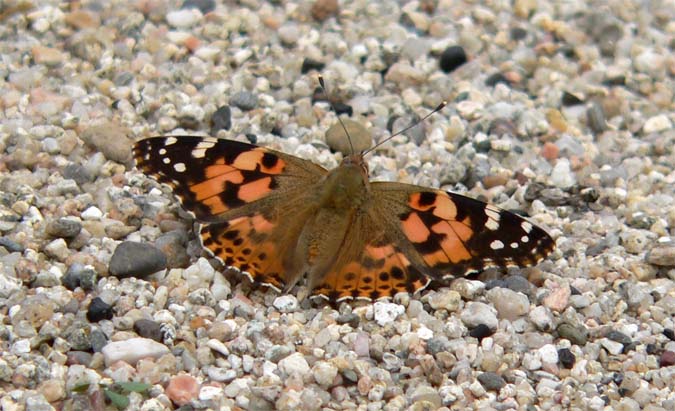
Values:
[(99, 310), (451, 58), (385, 313), (132, 350), (491, 381), (182, 389), (244, 100), (132, 259)]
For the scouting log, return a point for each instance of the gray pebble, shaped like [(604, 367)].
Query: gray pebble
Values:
[(148, 329), (172, 245), (491, 381), (132, 259), (476, 313), (63, 228), (244, 100), (576, 334), (77, 173)]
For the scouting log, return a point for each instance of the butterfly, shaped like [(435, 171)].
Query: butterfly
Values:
[(277, 217)]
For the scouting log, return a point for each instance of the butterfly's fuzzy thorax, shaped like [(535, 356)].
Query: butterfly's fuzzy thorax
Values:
[(278, 218)]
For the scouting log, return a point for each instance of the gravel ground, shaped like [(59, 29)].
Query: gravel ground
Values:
[(560, 109)]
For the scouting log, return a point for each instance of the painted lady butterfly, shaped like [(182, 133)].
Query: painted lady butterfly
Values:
[(276, 217)]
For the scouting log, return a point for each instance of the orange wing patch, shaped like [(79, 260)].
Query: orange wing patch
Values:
[(210, 176), (457, 235), (380, 272), (244, 243)]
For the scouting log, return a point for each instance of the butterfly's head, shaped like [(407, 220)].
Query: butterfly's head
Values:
[(356, 161)]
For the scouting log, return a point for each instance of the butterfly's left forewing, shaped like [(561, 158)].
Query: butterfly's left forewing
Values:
[(213, 177), (455, 235), (253, 200)]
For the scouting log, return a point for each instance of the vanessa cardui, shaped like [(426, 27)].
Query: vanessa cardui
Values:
[(276, 217)]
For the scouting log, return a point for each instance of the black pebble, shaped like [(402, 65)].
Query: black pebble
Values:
[(495, 79), (518, 33), (569, 99), (566, 358), (63, 228), (619, 337), (668, 332), (451, 58), (481, 331), (342, 108), (221, 119), (310, 64), (99, 310), (491, 381)]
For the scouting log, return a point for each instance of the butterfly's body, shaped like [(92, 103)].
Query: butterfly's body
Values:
[(277, 217)]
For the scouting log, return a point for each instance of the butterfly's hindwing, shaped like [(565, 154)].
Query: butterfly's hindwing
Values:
[(380, 270)]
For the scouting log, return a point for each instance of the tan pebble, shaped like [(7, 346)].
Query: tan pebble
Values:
[(336, 139), (47, 56), (556, 120), (82, 19), (323, 9)]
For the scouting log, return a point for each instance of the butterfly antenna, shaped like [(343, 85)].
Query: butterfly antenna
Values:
[(436, 110), (323, 88)]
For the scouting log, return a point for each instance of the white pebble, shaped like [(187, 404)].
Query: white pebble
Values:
[(294, 364), (385, 313), (656, 124), (132, 350), (613, 347), (184, 18), (21, 347), (218, 346), (92, 213), (286, 303), (561, 175)]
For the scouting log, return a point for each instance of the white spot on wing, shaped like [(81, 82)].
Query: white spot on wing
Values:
[(166, 160), (200, 149), (524, 239), (170, 140), (162, 151), (526, 226), (491, 225), (496, 245), (514, 245), (493, 215), (180, 167)]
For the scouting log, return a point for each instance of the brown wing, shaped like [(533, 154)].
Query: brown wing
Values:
[(254, 200), (372, 263), (454, 235), (217, 179)]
